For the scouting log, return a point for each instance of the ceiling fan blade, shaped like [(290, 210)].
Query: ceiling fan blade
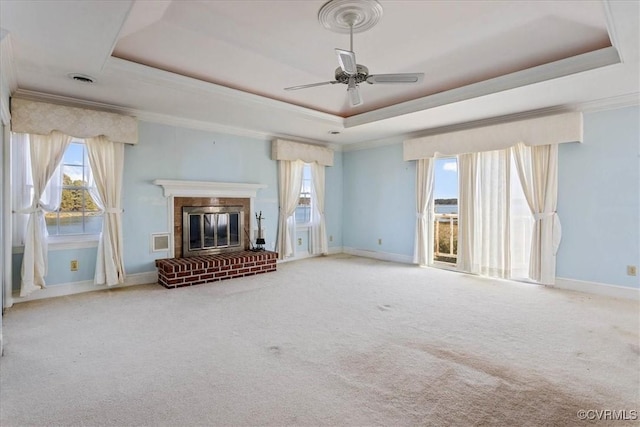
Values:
[(354, 93), (310, 85), (395, 78), (347, 60)]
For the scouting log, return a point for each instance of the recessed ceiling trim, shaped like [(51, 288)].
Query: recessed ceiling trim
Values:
[(162, 78), (564, 67), (611, 27), (117, 36)]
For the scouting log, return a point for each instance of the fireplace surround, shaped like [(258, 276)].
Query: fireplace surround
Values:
[(213, 198), (181, 193)]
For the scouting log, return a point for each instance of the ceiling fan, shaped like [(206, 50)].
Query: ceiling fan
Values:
[(342, 15)]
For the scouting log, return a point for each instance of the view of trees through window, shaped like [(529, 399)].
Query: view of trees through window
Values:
[(78, 212)]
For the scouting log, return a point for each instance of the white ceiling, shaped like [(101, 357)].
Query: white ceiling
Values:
[(223, 65)]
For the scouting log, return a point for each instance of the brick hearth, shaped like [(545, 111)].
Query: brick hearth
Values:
[(178, 272)]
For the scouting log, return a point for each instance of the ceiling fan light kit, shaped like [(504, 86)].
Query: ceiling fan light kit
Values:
[(355, 16)]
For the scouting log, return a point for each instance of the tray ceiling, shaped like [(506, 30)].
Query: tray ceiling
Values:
[(223, 65)]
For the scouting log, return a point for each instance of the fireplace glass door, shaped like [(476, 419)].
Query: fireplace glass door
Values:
[(212, 229)]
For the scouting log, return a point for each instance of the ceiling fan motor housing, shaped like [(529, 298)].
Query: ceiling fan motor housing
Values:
[(361, 75)]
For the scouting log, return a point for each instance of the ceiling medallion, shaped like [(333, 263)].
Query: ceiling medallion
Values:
[(341, 15)]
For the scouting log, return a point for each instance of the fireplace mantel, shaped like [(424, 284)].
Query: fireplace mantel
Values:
[(174, 188)]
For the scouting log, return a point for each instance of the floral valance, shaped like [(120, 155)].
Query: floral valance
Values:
[(282, 149), (555, 129), (41, 118)]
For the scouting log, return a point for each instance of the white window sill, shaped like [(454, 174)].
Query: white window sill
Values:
[(303, 227), (62, 243)]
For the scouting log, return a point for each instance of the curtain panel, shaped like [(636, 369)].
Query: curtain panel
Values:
[(289, 184), (423, 245), (46, 153), (106, 159), (491, 250), (466, 211), (538, 171), (319, 245)]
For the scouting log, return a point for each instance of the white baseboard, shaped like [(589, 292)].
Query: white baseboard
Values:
[(302, 255), (52, 291), (335, 250), (597, 288), (383, 256)]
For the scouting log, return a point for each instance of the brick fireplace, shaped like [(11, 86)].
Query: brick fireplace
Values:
[(178, 271)]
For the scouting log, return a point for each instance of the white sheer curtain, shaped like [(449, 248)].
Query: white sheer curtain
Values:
[(319, 243), (466, 210), (106, 159), (538, 171), (289, 184), (46, 153), (494, 225), (423, 245), (491, 249), (21, 186)]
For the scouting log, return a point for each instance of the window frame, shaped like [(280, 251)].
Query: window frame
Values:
[(306, 224), (74, 240)]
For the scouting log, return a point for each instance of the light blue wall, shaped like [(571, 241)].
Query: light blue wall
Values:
[(379, 200), (333, 183), (370, 195), (599, 199), (168, 152), (174, 153)]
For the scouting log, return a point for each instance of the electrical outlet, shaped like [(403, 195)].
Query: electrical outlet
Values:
[(632, 270), (379, 241), (299, 241), (74, 265)]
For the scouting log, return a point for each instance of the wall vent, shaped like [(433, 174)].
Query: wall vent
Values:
[(159, 242)]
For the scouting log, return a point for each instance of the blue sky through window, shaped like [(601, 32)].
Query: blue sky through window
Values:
[(446, 178), (73, 161)]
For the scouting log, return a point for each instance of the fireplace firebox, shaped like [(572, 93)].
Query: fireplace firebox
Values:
[(210, 230)]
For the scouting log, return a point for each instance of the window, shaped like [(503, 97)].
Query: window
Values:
[(303, 211), (78, 212)]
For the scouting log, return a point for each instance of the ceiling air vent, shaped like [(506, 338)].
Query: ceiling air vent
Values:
[(82, 78)]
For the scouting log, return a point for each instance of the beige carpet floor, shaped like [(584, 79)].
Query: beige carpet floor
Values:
[(337, 340)]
